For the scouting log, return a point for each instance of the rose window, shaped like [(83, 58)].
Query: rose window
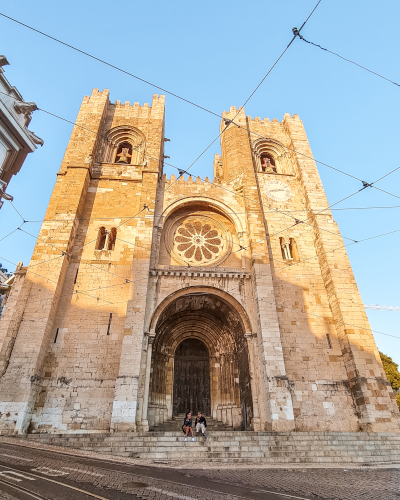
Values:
[(198, 241)]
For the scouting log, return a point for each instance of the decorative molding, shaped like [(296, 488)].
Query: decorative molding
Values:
[(201, 272)]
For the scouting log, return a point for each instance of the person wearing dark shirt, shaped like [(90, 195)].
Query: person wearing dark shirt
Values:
[(187, 426), (200, 423)]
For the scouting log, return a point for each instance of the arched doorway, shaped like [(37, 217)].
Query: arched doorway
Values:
[(186, 329), (191, 378)]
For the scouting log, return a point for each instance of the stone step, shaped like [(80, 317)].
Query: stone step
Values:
[(240, 446)]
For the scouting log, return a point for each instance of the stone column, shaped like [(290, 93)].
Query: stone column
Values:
[(144, 425), (254, 390)]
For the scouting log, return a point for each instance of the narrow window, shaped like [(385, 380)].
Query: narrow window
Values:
[(112, 236), (109, 324), (55, 338), (76, 276), (285, 249), (101, 238), (293, 250), (328, 341)]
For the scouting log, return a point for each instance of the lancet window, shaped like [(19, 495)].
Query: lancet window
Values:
[(289, 249), (106, 239)]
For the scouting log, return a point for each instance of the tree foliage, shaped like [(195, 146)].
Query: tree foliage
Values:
[(391, 370), (392, 374)]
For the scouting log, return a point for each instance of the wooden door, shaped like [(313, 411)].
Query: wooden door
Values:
[(192, 378)]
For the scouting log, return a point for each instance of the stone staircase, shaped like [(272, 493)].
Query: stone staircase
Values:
[(176, 422), (239, 446)]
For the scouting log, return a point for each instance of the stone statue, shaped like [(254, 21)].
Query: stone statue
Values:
[(25, 107), (267, 166)]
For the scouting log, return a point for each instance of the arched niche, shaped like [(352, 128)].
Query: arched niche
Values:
[(125, 145), (278, 156)]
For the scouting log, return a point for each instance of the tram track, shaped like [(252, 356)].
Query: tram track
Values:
[(42, 478), (11, 488), (162, 475)]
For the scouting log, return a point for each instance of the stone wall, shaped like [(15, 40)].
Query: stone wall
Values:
[(129, 263)]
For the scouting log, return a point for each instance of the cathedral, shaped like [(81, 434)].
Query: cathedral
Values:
[(147, 297)]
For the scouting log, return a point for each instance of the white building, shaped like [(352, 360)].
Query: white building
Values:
[(16, 140)]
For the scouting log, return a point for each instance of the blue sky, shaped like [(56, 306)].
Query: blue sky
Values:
[(215, 53)]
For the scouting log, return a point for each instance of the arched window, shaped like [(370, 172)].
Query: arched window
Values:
[(267, 163), (112, 236), (285, 249), (124, 153), (101, 238), (289, 249)]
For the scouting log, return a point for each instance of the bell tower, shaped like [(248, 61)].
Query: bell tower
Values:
[(87, 275)]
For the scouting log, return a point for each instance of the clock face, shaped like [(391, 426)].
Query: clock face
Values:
[(277, 190)]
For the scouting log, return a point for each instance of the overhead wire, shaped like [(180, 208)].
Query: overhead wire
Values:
[(49, 279), (241, 248), (182, 172), (109, 64), (227, 213), (310, 314), (182, 99), (338, 248), (348, 60)]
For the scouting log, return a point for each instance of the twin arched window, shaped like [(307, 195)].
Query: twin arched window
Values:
[(289, 249), (106, 239)]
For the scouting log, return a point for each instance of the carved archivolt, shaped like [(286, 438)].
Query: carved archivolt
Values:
[(198, 240), (131, 137), (274, 150)]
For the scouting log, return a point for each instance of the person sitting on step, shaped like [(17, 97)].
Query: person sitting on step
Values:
[(200, 423), (187, 426)]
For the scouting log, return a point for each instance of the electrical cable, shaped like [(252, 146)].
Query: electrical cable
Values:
[(338, 248), (254, 133), (48, 279), (310, 314), (109, 64), (297, 34), (365, 185), (182, 172), (215, 113), (227, 213), (349, 60)]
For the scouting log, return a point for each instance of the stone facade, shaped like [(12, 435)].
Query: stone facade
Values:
[(130, 264), (16, 140)]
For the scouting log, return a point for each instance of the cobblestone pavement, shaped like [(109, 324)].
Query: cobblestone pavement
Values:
[(6, 496), (188, 483), (332, 484)]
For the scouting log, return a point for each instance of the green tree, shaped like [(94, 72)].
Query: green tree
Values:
[(392, 373)]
